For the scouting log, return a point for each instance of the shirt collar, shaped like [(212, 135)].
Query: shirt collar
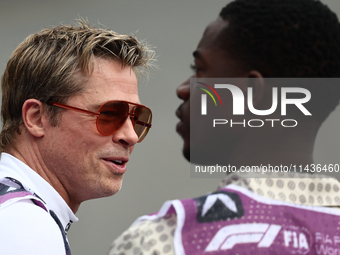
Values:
[(297, 188), (13, 167)]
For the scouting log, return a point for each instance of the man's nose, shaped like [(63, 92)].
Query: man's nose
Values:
[(126, 135), (183, 90)]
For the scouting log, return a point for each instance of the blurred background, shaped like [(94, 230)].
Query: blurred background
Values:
[(156, 171)]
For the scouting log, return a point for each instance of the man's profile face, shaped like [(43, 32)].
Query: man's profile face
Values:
[(210, 61), (87, 164)]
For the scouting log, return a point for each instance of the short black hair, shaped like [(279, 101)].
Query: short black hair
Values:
[(284, 38)]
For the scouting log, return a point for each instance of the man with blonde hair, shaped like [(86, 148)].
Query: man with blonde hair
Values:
[(71, 117)]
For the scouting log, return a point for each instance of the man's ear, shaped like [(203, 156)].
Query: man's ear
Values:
[(33, 117), (257, 83)]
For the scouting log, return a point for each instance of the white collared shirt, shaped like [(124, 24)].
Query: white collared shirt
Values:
[(25, 227)]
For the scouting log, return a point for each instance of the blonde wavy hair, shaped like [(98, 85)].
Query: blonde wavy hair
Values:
[(44, 65)]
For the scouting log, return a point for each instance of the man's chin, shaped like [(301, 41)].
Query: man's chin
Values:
[(186, 154), (200, 156), (112, 188), (204, 156)]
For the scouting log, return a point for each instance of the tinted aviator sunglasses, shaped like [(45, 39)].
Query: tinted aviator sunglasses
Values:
[(113, 114)]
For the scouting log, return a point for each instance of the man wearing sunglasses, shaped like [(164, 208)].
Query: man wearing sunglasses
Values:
[(71, 117), (274, 213)]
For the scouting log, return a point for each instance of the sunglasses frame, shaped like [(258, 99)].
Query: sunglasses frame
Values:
[(97, 114)]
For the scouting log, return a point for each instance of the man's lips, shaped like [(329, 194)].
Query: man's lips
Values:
[(179, 125), (119, 164), (179, 112)]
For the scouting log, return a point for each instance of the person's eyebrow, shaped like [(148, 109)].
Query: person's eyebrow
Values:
[(95, 107)]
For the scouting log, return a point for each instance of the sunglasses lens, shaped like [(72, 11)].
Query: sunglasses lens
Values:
[(112, 117), (143, 117)]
